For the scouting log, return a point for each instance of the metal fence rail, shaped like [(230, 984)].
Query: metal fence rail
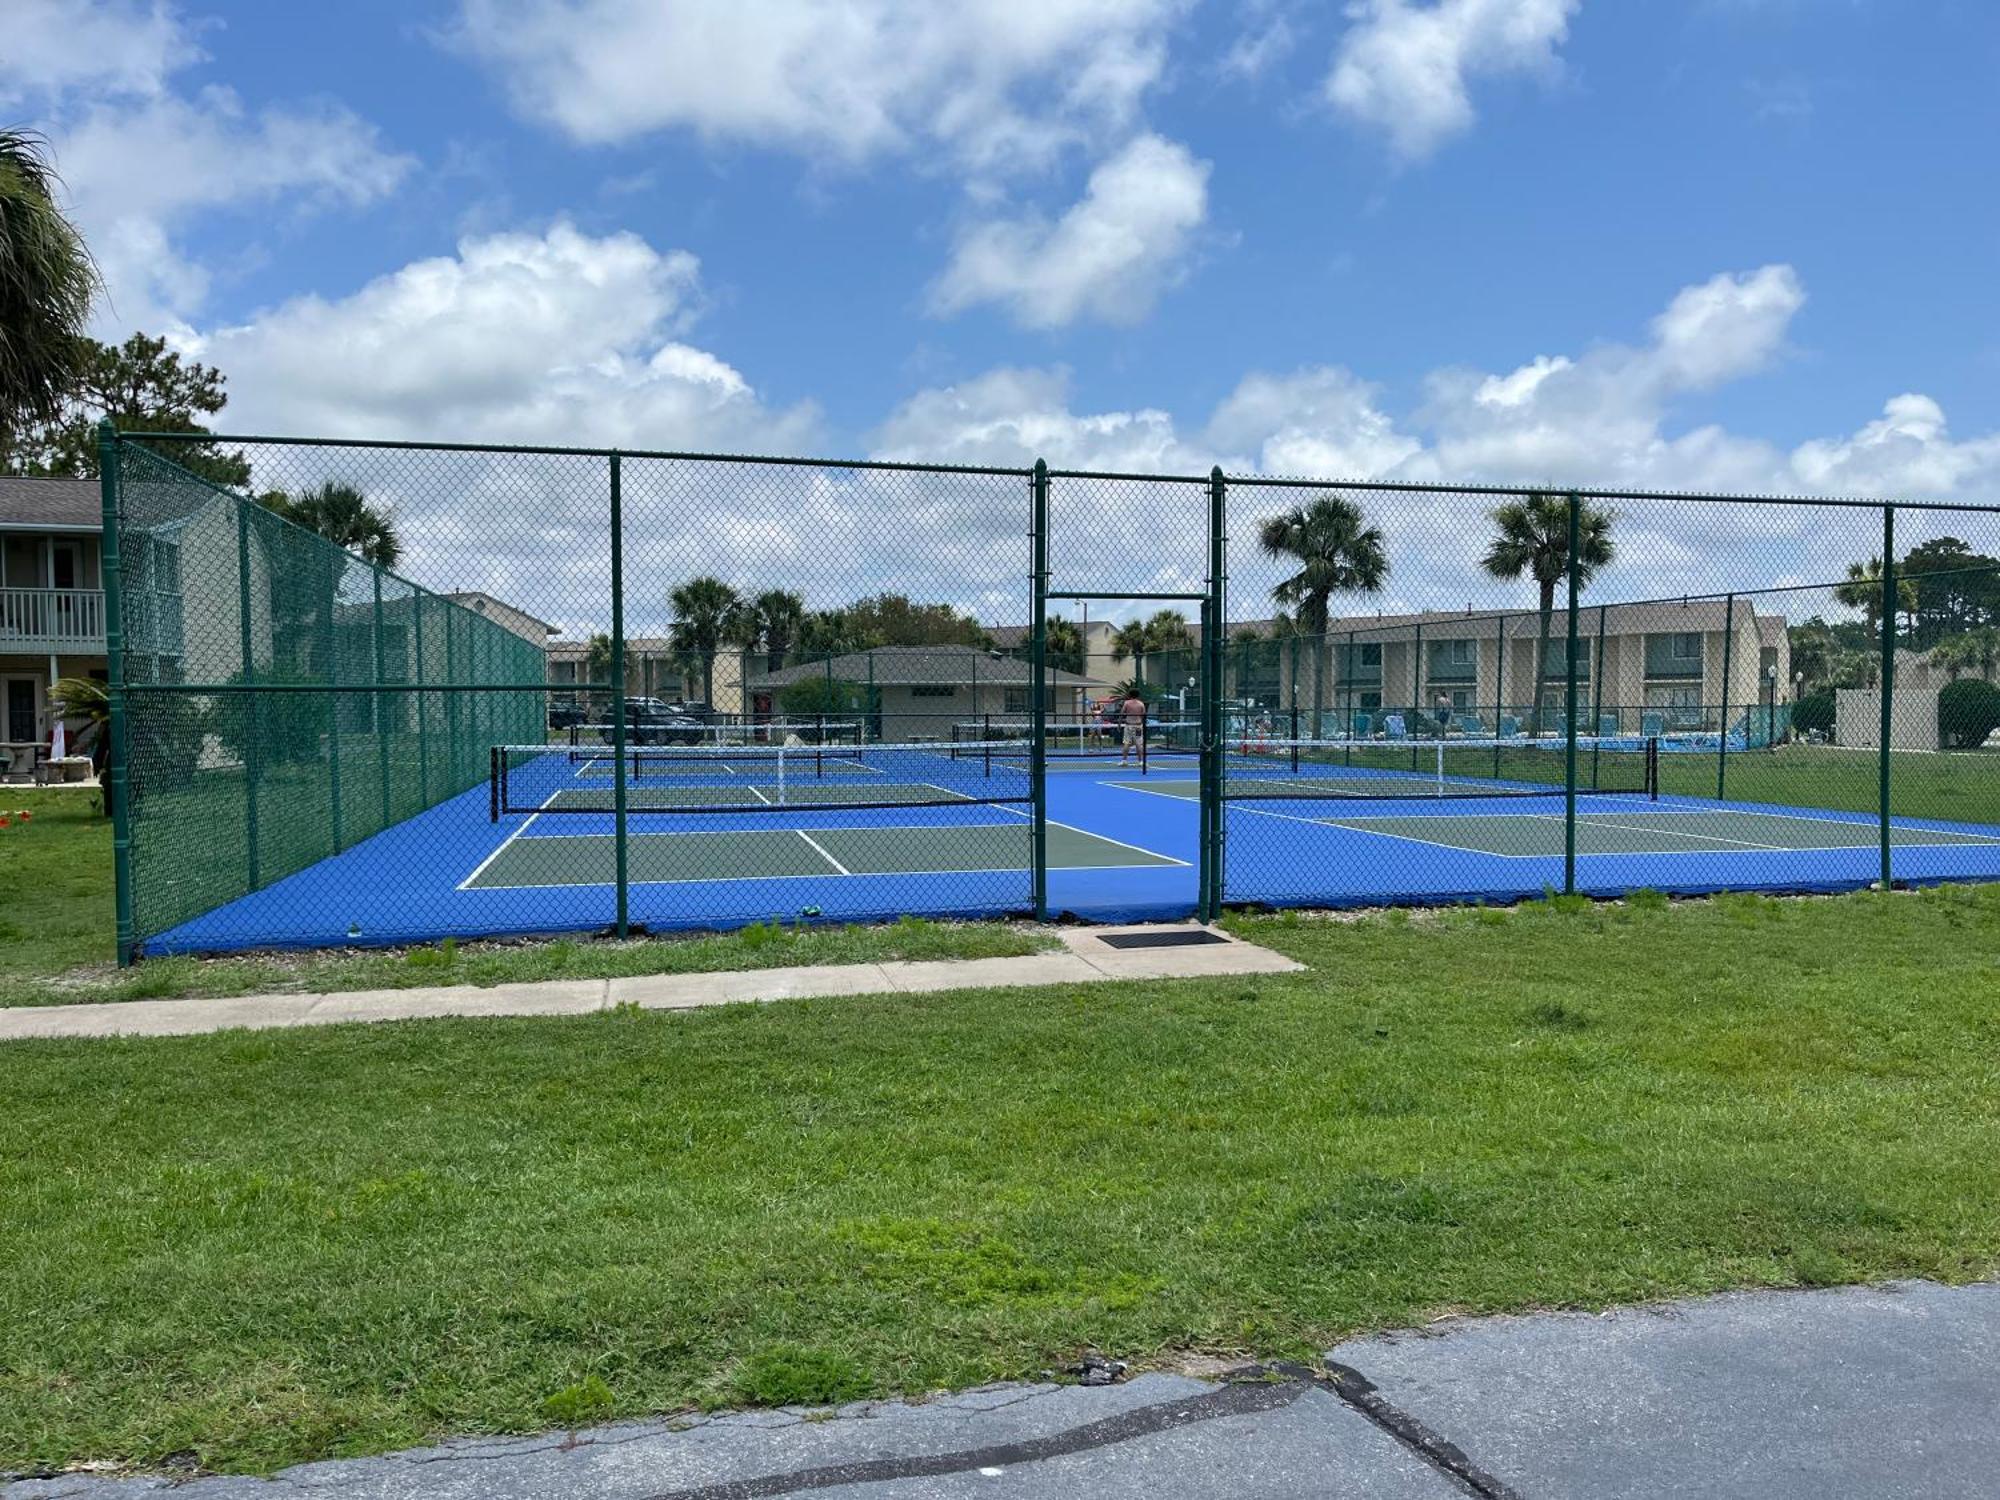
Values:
[(655, 691)]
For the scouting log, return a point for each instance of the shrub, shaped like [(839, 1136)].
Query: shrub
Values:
[(1814, 711), (290, 726), (1968, 711)]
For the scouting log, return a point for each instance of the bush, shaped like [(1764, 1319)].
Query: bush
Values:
[(1968, 711), (1814, 711), (813, 696)]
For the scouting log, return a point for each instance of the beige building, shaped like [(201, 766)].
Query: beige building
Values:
[(1669, 666), (920, 692), (51, 598), (653, 669), (508, 616)]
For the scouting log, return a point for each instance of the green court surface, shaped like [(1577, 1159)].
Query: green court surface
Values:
[(1642, 830), (790, 853)]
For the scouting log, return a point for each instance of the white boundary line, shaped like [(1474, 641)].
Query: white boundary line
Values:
[(820, 850), (500, 848), (1101, 838)]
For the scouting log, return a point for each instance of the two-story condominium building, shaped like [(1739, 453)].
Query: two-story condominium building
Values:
[(51, 598), (1677, 664)]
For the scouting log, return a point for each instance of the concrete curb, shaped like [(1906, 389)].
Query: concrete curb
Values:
[(1086, 958)]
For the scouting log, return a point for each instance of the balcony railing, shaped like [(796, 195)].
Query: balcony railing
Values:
[(51, 620)]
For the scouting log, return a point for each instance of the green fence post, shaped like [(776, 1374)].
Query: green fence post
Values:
[(119, 771), (455, 750), (1728, 665), (378, 699), (1215, 645), (1597, 678), (1417, 704), (251, 719), (1499, 675), (620, 849), (423, 730), (333, 697), (1038, 716), (1888, 678), (1574, 570)]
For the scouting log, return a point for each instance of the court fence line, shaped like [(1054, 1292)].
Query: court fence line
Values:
[(285, 712)]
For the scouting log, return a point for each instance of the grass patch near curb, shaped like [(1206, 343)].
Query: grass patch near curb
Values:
[(262, 1248)]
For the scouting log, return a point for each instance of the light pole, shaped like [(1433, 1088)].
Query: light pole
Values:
[(1770, 706)]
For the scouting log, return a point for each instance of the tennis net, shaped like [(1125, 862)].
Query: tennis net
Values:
[(535, 779), (1081, 740), (597, 738), (1472, 768)]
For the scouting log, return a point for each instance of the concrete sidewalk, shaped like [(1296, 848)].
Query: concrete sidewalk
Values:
[(1089, 955), (1880, 1392)]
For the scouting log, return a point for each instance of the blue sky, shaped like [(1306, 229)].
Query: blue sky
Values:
[(1728, 243)]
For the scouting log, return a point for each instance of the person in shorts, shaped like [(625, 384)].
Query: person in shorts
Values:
[(1132, 726), (1444, 714)]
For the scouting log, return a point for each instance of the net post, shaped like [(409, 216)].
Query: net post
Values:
[(1888, 680), (1213, 642), (1728, 665), (620, 852), (116, 763), (249, 718), (1573, 567), (494, 762), (333, 697), (379, 700), (1038, 717)]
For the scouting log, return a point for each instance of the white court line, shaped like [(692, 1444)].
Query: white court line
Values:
[(502, 845), (820, 850), (1602, 820), (1091, 833)]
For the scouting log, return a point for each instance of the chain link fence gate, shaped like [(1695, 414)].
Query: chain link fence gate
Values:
[(675, 692)]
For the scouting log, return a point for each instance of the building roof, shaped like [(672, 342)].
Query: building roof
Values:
[(50, 504), (477, 599), (919, 666)]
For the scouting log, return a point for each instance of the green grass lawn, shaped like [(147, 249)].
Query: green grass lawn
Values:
[(258, 1248), (1956, 786), (56, 936)]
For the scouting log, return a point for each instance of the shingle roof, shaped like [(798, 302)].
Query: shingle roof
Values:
[(61, 504), (917, 666)]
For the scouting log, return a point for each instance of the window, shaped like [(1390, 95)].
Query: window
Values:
[(934, 690), (1460, 653), (1686, 646), (1370, 702), (1016, 701), (1371, 656)]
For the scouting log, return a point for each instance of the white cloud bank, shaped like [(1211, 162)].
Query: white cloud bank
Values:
[(141, 159), (1406, 68), (1108, 258), (990, 85), (566, 338)]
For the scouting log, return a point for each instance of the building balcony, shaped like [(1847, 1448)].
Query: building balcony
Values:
[(42, 620)]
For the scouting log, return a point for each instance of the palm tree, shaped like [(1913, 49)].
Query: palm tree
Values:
[(1134, 640), (1974, 651), (47, 283), (1863, 591), (597, 665), (1336, 554), (1065, 646), (778, 615), (86, 699), (342, 515), (707, 612), (1533, 539)]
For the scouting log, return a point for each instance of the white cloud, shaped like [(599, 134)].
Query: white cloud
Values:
[(139, 173), (1108, 258), (141, 160), (55, 46), (1600, 418), (1406, 68), (994, 84), (1266, 41), (556, 337)]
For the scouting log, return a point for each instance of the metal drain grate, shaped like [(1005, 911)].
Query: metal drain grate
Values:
[(1180, 937)]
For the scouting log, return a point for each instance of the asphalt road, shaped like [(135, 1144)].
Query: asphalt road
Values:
[(1878, 1392)]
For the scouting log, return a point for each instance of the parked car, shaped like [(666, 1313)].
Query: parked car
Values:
[(693, 708), (648, 721), (564, 712)]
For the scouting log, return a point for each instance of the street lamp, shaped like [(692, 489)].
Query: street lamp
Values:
[(1770, 706)]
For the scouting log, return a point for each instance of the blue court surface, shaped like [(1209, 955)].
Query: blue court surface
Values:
[(931, 832)]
